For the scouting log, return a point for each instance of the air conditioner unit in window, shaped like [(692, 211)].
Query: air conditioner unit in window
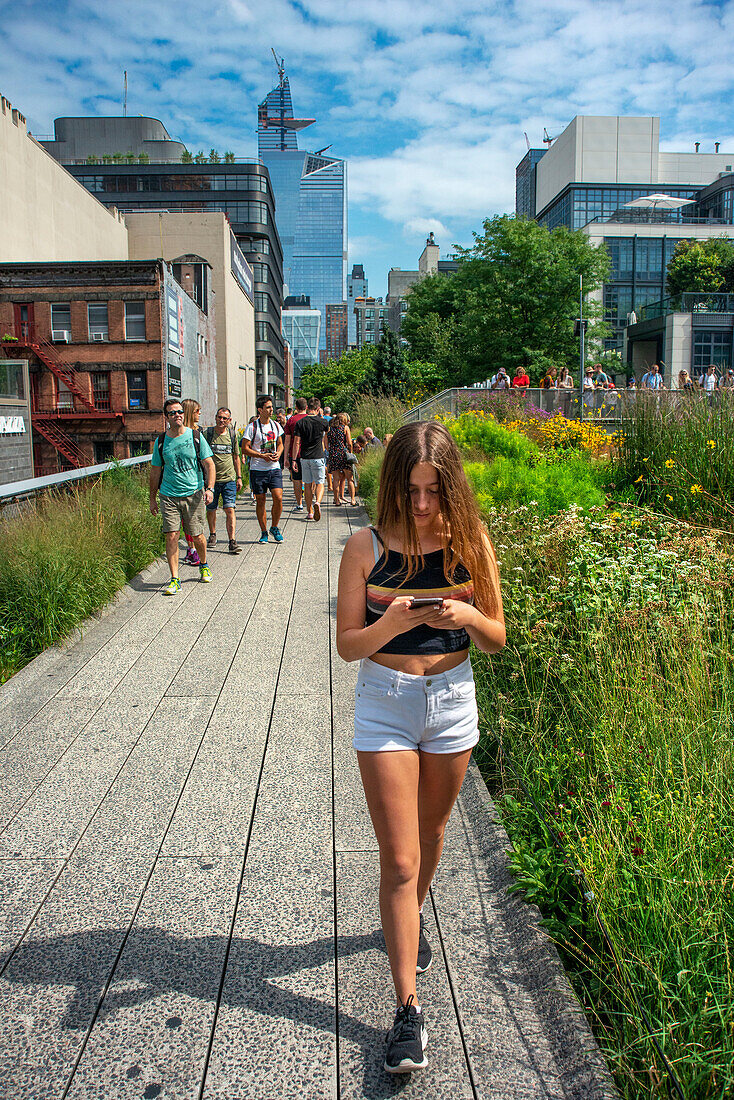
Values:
[(61, 336), (97, 336)]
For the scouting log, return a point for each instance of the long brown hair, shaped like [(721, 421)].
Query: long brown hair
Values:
[(190, 407), (429, 441)]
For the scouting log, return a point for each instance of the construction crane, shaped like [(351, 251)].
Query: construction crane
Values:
[(527, 139), (280, 64), (547, 139)]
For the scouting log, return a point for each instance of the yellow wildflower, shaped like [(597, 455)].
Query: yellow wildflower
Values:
[(696, 489), (668, 496), (669, 463), (711, 442), (637, 480)]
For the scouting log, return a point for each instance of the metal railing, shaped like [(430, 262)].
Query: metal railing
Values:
[(690, 302), (601, 405), (655, 217), (20, 490), (604, 407)]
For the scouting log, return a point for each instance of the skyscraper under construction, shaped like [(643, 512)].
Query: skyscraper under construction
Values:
[(311, 203)]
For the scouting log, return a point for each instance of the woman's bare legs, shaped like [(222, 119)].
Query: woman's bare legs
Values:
[(441, 776), (409, 795), (352, 486), (338, 482)]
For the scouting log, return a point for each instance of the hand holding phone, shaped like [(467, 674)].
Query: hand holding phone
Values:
[(425, 601)]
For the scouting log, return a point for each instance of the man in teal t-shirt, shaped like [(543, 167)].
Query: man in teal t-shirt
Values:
[(184, 485)]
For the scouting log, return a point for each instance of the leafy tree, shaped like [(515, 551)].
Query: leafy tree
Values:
[(200, 157), (388, 372), (107, 158), (92, 159), (186, 157), (512, 302), (229, 158), (339, 380), (143, 158), (117, 158), (214, 157), (130, 157), (701, 266)]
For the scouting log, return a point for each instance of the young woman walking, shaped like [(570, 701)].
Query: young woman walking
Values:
[(340, 447), (192, 412), (415, 707)]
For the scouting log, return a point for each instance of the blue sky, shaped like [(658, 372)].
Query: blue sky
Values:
[(427, 102)]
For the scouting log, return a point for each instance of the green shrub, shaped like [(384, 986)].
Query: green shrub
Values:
[(478, 433), (66, 556), (382, 413), (547, 487)]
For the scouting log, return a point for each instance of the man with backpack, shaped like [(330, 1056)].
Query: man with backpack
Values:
[(222, 439), (182, 473), (262, 443)]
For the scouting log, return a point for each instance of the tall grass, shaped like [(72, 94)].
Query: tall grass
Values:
[(66, 556), (615, 698), (678, 455), (381, 412)]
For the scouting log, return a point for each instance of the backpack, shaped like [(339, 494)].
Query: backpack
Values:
[(209, 436), (197, 448)]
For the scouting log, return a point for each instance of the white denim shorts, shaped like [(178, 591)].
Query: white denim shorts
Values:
[(435, 713)]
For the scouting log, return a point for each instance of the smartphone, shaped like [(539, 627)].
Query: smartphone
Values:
[(426, 601)]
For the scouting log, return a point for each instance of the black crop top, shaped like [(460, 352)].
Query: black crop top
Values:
[(387, 580)]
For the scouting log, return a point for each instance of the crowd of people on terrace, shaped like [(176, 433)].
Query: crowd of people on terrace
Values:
[(595, 378)]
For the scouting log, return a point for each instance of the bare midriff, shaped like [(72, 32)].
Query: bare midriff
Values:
[(417, 664)]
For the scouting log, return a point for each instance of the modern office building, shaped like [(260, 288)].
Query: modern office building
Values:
[(588, 177), (239, 189), (105, 344), (683, 332), (302, 330), (356, 288), (336, 330), (400, 280), (311, 196), (371, 320)]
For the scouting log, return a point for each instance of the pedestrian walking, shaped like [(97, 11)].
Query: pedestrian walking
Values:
[(309, 437), (262, 442), (414, 591), (295, 465), (182, 474), (222, 439), (340, 455), (192, 412)]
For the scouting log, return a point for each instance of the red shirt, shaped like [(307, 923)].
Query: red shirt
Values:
[(520, 380), (291, 421)]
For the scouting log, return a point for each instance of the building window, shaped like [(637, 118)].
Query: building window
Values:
[(134, 320), (137, 390), (101, 390), (711, 346), (64, 397), (98, 322), (61, 322), (11, 380), (103, 452)]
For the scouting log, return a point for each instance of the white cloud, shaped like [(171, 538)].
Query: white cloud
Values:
[(421, 227), (427, 102)]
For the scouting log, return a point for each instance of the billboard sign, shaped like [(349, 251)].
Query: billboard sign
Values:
[(241, 269)]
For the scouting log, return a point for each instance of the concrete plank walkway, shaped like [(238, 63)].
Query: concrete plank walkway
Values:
[(188, 875)]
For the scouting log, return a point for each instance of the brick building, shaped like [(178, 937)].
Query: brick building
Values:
[(106, 343)]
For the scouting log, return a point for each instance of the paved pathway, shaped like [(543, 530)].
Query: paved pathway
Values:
[(188, 874)]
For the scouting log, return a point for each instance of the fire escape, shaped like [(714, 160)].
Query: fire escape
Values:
[(70, 405)]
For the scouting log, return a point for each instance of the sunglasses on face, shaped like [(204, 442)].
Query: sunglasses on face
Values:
[(175, 412)]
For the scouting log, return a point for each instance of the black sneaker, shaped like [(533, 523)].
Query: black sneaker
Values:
[(406, 1040), (425, 955)]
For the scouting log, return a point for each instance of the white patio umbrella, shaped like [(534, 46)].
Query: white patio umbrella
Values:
[(659, 202)]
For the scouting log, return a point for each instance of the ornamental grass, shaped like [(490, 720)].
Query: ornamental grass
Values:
[(66, 555)]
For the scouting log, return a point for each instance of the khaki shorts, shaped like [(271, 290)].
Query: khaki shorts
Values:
[(186, 512)]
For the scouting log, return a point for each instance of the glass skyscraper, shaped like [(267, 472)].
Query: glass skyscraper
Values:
[(311, 204)]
